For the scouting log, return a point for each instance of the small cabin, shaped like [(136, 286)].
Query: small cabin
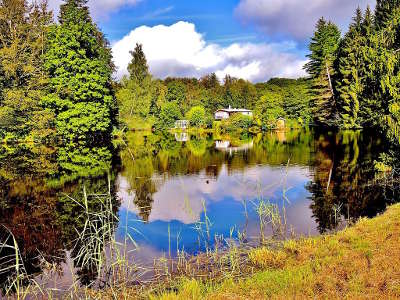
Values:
[(226, 113), (182, 124)]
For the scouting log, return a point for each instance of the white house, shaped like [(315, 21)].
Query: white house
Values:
[(226, 113), (227, 147)]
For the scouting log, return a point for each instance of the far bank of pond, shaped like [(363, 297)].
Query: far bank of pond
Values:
[(176, 192)]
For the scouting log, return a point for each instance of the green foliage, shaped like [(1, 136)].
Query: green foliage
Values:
[(79, 62), (23, 80), (323, 48), (170, 112), (197, 116), (270, 107), (135, 99), (352, 71), (237, 122), (176, 92), (138, 68), (208, 122), (239, 93), (349, 81), (384, 51), (139, 97), (283, 98), (384, 11)]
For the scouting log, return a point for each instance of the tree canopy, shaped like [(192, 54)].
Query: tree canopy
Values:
[(79, 62)]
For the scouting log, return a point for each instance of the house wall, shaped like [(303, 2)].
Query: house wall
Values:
[(220, 115), (249, 113)]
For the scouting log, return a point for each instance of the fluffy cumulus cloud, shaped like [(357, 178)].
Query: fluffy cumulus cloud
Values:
[(179, 50), (98, 8), (297, 18)]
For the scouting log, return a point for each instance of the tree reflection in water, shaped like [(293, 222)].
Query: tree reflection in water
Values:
[(37, 185), (42, 187), (345, 182)]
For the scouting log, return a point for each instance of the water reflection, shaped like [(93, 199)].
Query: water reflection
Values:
[(162, 185), (344, 184), (41, 192), (329, 179)]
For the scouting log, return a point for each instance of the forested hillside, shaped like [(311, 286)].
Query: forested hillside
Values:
[(145, 101)]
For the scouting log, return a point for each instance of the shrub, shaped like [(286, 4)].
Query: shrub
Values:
[(237, 122), (170, 113), (197, 116), (209, 122)]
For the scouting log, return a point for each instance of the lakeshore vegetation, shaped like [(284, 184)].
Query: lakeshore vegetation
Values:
[(352, 264)]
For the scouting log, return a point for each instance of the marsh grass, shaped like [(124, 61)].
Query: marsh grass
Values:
[(100, 261)]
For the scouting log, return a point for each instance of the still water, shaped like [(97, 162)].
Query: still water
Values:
[(170, 191)]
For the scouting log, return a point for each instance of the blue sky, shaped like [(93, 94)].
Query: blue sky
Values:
[(215, 19), (250, 39)]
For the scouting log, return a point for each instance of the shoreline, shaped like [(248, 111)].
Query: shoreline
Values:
[(362, 261)]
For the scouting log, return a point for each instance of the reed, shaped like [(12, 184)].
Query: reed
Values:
[(113, 268)]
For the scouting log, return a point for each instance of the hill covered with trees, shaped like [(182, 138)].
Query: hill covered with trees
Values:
[(145, 101)]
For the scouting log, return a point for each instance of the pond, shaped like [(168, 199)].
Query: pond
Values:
[(171, 192)]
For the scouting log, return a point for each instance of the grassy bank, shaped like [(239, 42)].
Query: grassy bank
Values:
[(360, 262)]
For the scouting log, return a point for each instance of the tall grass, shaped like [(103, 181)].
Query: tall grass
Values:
[(105, 263)]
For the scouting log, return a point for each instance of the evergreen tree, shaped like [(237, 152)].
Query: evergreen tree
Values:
[(80, 65), (349, 80), (381, 61), (386, 69), (323, 48), (384, 11), (210, 81), (138, 68)]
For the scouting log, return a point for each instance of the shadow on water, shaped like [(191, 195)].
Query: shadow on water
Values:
[(168, 190)]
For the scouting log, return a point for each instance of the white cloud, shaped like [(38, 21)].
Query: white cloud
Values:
[(98, 8), (185, 194), (297, 18), (179, 50)]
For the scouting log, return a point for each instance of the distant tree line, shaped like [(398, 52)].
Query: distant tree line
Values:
[(355, 78), (145, 102)]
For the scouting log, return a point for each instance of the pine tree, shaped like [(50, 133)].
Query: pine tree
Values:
[(384, 11), (323, 48), (80, 66), (349, 80), (138, 68), (370, 104), (387, 73), (381, 64)]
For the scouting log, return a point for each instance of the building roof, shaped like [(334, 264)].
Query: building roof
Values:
[(233, 110)]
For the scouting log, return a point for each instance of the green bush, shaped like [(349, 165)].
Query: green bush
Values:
[(197, 116), (209, 122), (170, 113), (237, 122)]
